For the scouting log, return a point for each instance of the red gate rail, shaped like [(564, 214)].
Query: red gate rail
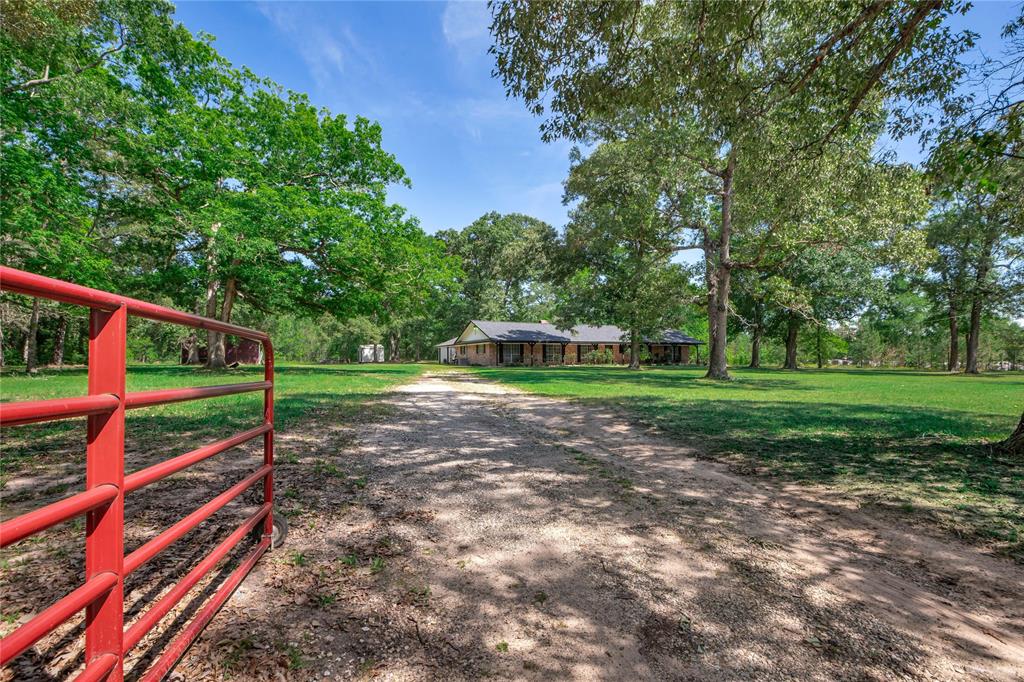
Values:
[(102, 501), (31, 411)]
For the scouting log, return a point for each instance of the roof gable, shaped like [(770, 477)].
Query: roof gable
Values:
[(472, 334)]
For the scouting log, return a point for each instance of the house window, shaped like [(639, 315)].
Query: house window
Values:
[(553, 353), (462, 350), (513, 353), (479, 349), (582, 349)]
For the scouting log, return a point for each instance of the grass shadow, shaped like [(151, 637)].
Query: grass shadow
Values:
[(922, 460)]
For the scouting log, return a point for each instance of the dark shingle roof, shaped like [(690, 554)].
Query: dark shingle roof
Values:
[(544, 332), (676, 336), (449, 342)]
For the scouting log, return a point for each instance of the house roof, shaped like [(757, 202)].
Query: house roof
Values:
[(545, 332), (449, 342)]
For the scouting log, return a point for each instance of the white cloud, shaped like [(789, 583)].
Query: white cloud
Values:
[(466, 25), (327, 48)]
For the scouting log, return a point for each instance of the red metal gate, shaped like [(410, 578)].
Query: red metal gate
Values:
[(102, 594)]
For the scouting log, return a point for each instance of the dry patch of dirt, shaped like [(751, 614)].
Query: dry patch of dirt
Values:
[(475, 531)]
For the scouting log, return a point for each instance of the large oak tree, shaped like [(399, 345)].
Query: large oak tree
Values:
[(766, 86), (615, 260), (137, 157)]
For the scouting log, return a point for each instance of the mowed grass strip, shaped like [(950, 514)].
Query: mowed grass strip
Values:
[(914, 442), (334, 394)]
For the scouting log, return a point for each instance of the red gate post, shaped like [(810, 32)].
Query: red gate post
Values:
[(268, 437), (104, 544)]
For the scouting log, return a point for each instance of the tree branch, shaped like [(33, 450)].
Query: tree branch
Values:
[(28, 85), (825, 49)]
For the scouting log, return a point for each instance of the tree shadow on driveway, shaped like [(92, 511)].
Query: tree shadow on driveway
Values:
[(518, 537)]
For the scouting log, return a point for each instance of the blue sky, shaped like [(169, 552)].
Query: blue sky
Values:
[(422, 70)]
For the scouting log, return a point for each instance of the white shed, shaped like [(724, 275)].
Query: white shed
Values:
[(446, 351), (371, 353)]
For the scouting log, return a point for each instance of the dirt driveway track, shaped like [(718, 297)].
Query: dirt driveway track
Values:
[(519, 537)]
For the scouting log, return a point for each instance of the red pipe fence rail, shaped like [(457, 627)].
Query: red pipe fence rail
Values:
[(102, 501)]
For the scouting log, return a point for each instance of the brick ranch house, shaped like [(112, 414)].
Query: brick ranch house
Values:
[(542, 343)]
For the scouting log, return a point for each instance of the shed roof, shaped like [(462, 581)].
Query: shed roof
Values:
[(449, 342), (545, 332)]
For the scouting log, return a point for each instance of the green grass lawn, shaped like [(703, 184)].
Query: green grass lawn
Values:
[(912, 441), (331, 393)]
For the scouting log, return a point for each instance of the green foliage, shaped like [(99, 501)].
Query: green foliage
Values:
[(619, 244), (135, 157), (321, 339), (327, 469), (978, 241), (738, 65), (294, 658), (504, 261), (986, 126), (324, 600), (733, 96), (599, 357)]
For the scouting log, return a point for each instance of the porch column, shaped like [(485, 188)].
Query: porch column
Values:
[(565, 347)]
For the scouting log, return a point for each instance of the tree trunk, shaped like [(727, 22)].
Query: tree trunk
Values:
[(1015, 443), (215, 356), (57, 359), (214, 360), (977, 303), (219, 349), (755, 348), (192, 344), (755, 339), (712, 286), (954, 339), (634, 349), (718, 312), (792, 329), (818, 346), (31, 341), (973, 335), (394, 339)]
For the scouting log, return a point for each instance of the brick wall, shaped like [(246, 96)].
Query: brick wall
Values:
[(487, 354), (478, 354)]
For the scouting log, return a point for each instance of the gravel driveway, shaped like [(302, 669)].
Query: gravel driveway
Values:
[(492, 533)]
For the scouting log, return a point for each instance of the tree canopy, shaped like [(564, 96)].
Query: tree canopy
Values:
[(760, 89), (134, 153)]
